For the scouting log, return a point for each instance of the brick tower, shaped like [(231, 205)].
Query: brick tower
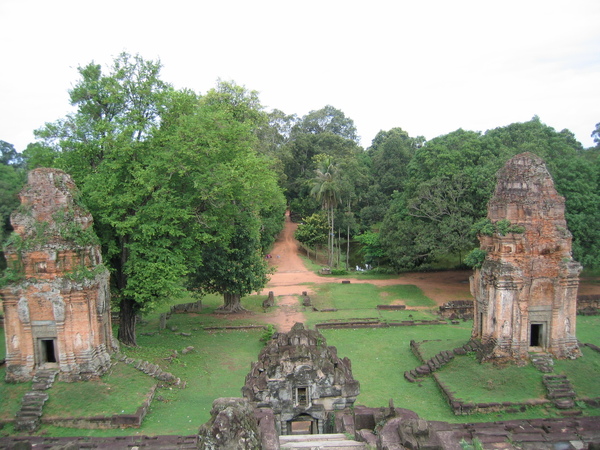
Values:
[(526, 290), (57, 309)]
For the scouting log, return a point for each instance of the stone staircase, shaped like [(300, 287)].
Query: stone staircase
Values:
[(337, 441), (560, 391), (28, 417), (542, 362)]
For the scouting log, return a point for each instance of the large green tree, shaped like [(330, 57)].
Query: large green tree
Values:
[(105, 145), (452, 177), (157, 168), (12, 178), (250, 205), (325, 188), (389, 156)]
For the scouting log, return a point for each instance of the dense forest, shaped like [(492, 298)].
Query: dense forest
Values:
[(188, 191)]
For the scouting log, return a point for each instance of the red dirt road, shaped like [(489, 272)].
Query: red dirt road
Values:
[(291, 278)]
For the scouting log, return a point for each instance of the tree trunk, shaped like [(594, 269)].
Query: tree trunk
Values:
[(127, 306), (232, 303), (348, 247), (332, 236), (127, 319), (348, 238)]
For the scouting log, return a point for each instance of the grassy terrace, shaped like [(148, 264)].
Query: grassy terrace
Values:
[(379, 357)]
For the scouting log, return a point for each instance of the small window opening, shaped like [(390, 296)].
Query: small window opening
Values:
[(302, 396)]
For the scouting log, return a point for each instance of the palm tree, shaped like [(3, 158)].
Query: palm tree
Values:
[(325, 190)]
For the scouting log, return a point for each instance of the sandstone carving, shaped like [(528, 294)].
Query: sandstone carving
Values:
[(232, 426), (301, 379), (525, 291), (57, 310)]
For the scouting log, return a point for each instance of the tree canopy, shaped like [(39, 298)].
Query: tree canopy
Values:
[(188, 190), (168, 175)]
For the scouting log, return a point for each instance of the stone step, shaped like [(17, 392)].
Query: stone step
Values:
[(309, 437), (36, 395), (571, 413), (561, 394), (28, 416), (31, 409), (319, 441), (329, 445)]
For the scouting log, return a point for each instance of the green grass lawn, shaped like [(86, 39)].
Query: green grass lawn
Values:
[(588, 329), (579, 370), (73, 399), (486, 383), (366, 296), (10, 395), (221, 360)]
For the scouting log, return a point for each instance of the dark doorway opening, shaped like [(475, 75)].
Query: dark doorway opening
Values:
[(48, 351), (536, 335)]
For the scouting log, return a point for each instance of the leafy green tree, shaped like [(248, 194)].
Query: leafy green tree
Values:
[(327, 120), (9, 156), (39, 155), (12, 179), (390, 154), (326, 191), (313, 230), (327, 131), (443, 202), (105, 146), (232, 268), (465, 163), (158, 169), (596, 134), (239, 202), (371, 247)]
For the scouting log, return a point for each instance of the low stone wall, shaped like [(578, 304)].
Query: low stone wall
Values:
[(152, 370), (457, 309), (391, 307), (588, 305), (184, 308), (239, 327), (459, 407), (593, 347), (376, 324), (105, 422)]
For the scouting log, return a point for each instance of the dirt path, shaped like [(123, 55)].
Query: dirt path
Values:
[(291, 279)]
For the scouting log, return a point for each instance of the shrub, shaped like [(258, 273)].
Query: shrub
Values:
[(339, 272), (267, 335), (475, 258)]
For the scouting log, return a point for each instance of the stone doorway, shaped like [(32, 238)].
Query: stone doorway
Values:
[(302, 424), (48, 356), (537, 332)]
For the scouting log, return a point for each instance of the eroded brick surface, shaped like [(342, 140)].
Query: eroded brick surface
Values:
[(57, 310), (525, 292)]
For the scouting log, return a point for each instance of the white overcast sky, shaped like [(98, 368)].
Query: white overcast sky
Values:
[(429, 67)]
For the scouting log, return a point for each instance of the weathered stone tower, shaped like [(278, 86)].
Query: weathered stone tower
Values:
[(57, 310), (526, 290), (301, 379)]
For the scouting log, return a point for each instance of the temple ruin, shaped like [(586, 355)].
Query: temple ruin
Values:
[(525, 291), (57, 309), (302, 380)]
